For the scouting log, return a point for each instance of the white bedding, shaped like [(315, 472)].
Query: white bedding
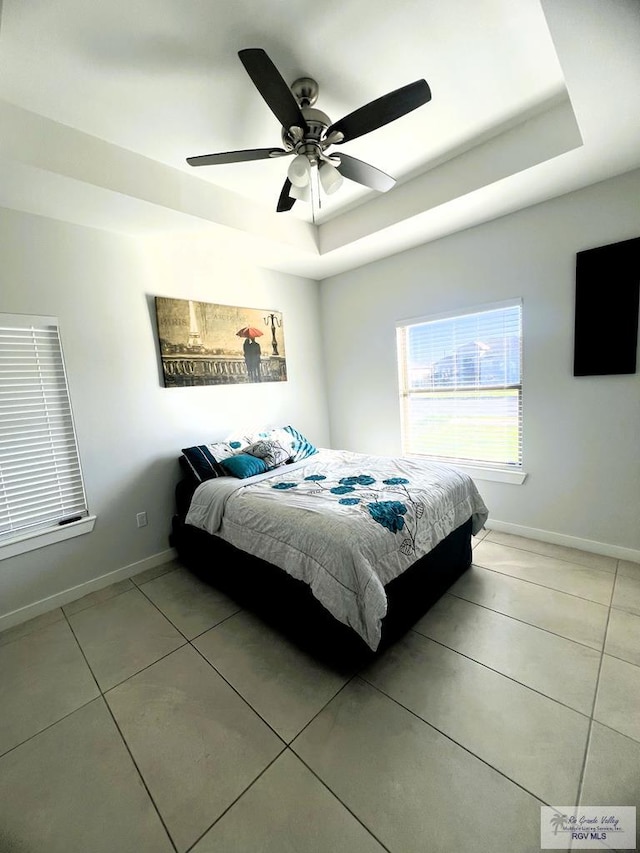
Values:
[(344, 523)]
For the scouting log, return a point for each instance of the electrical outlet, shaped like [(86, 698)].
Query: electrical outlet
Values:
[(141, 519)]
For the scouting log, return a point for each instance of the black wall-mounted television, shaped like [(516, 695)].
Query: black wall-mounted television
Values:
[(606, 312)]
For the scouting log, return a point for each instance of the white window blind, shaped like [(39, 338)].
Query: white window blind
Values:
[(40, 476), (461, 386)]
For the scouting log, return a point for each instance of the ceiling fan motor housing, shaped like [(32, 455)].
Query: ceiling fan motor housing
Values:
[(305, 91), (317, 123)]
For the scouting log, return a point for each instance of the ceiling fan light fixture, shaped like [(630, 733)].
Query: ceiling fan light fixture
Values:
[(301, 193), (299, 171), (330, 178)]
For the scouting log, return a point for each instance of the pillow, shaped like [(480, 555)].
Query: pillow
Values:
[(224, 449), (254, 437), (202, 461), (238, 441), (243, 465), (301, 447), (272, 452)]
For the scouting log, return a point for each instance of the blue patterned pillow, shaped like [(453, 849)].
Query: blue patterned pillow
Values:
[(243, 465), (301, 446), (202, 462)]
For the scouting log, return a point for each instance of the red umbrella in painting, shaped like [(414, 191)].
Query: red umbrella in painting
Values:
[(251, 351), (249, 332)]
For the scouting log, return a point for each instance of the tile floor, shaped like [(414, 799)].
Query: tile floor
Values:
[(156, 716)]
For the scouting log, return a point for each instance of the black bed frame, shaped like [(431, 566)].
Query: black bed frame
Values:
[(288, 604)]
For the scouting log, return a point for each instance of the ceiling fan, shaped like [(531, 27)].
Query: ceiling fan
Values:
[(307, 133)]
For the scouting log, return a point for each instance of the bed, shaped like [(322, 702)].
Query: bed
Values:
[(341, 550)]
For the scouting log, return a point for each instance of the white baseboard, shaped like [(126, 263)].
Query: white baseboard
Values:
[(44, 605), (603, 548)]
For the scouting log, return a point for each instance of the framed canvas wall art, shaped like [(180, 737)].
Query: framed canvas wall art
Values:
[(204, 343)]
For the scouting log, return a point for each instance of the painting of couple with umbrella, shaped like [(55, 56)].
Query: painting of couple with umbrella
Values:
[(204, 343)]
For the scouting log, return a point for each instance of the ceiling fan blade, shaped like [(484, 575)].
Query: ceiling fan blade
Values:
[(285, 202), (268, 81), (363, 173), (236, 156), (382, 111)]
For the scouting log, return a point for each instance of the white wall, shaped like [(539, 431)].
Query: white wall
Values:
[(130, 428), (581, 435)]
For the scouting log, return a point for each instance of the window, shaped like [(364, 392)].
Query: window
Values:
[(41, 488), (461, 387)]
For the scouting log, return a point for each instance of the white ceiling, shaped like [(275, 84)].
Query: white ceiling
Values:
[(530, 100)]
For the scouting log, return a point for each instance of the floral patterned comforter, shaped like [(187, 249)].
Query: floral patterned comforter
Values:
[(344, 523)]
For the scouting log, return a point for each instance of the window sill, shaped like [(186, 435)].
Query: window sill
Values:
[(494, 475), (479, 472), (41, 538)]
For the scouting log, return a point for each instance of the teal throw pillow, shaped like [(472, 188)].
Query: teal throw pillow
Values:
[(242, 465)]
